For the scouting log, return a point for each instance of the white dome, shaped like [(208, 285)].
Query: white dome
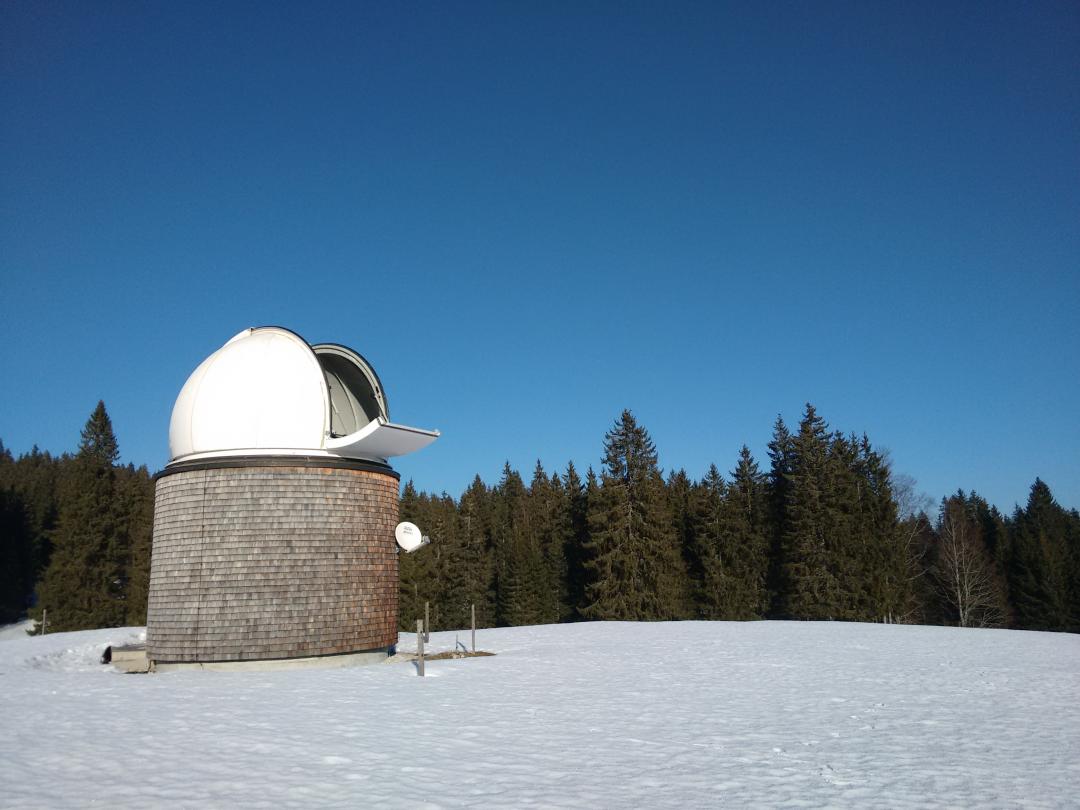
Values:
[(268, 392), (263, 389)]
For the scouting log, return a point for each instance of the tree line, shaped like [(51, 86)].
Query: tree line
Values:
[(824, 530)]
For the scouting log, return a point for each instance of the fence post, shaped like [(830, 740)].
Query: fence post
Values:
[(420, 647), (474, 627), (44, 620), (427, 621)]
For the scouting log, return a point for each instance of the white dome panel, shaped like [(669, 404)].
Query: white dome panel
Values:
[(262, 390), (180, 443)]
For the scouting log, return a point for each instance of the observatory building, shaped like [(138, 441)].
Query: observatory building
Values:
[(274, 520)]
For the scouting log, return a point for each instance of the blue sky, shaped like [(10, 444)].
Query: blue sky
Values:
[(530, 216)]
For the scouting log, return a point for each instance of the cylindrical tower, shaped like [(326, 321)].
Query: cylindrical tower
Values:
[(274, 522)]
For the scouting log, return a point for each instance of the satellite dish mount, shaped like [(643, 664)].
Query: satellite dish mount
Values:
[(409, 537)]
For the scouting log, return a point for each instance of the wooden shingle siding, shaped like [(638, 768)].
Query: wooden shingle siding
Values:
[(255, 563)]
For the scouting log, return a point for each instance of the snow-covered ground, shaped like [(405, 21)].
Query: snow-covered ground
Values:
[(604, 715)]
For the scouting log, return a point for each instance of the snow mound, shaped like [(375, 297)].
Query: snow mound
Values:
[(65, 652), (9, 632)]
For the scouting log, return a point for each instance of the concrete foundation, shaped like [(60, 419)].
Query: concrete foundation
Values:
[(355, 659)]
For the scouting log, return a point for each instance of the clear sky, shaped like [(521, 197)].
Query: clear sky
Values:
[(530, 216)]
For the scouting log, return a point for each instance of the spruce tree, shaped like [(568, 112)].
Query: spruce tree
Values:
[(519, 561), (135, 502), (85, 583), (746, 506), (781, 460), (716, 587), (478, 572), (1041, 563), (736, 534), (811, 590), (885, 543), (575, 512), (448, 608), (684, 504), (559, 541), (545, 504), (846, 538), (635, 569)]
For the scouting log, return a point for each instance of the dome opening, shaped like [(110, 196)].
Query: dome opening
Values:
[(354, 402)]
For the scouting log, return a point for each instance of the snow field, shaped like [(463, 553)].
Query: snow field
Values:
[(599, 715)]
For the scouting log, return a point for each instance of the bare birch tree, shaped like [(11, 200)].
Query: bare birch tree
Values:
[(964, 572)]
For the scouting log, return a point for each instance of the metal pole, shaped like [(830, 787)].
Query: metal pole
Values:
[(427, 621), (420, 647), (474, 627)]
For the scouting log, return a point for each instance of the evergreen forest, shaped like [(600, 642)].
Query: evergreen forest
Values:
[(822, 529), (75, 534)]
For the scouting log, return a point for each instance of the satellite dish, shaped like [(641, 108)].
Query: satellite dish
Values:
[(408, 536)]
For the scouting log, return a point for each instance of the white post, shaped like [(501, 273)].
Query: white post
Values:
[(420, 647)]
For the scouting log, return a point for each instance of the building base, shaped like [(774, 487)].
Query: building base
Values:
[(133, 658), (356, 659)]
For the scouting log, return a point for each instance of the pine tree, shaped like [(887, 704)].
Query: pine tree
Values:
[(544, 504), (135, 501), (781, 458), (559, 541), (478, 572), (847, 541), (890, 584), (519, 561), (635, 569), (1041, 563), (717, 588), (811, 590), (575, 510), (746, 505), (85, 583), (736, 540), (448, 609), (684, 504)]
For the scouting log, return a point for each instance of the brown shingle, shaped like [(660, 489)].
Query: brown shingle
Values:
[(266, 562)]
